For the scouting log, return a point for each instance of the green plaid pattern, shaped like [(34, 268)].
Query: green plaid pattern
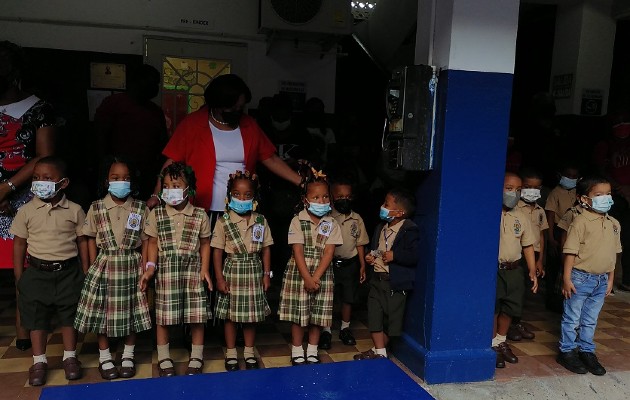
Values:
[(246, 301), (296, 304), (111, 302), (180, 296)]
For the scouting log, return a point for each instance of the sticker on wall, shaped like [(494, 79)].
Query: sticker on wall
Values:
[(562, 86), (108, 76), (592, 101)]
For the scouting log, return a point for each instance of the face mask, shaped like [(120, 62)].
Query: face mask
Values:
[(232, 118), (384, 215), (319, 209), (119, 189), (510, 199), (173, 197), (602, 204), (344, 206), (45, 189), (568, 183), (621, 130), (280, 126), (530, 195), (241, 206)]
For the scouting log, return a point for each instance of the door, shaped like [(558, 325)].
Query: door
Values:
[(187, 67)]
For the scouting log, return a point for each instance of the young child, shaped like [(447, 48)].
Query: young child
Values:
[(306, 298), (532, 183), (516, 237), (49, 227), (245, 276), (394, 257), (348, 261), (111, 303), (592, 246), (178, 254)]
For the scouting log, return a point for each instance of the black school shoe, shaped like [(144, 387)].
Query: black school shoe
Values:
[(571, 361), (346, 337), (591, 363), (325, 340)]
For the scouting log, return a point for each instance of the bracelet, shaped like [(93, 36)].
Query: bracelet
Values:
[(11, 185), (150, 264), (268, 273)]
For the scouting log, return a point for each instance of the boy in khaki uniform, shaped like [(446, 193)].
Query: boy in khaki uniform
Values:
[(516, 237), (49, 226), (348, 261)]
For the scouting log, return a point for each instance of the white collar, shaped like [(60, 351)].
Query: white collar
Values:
[(16, 110)]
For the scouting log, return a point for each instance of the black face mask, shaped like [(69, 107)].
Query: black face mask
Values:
[(232, 118), (344, 206)]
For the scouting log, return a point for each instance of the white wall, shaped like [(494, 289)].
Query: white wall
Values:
[(118, 26)]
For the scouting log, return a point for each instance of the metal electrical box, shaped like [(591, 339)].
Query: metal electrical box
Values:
[(408, 138)]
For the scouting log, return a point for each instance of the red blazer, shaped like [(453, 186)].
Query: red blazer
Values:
[(192, 144)]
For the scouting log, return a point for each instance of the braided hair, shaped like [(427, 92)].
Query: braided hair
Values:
[(242, 175), (309, 175), (179, 169)]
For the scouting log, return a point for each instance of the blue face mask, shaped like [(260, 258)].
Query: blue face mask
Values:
[(241, 206), (567, 183), (319, 209), (602, 204), (119, 189), (384, 215)]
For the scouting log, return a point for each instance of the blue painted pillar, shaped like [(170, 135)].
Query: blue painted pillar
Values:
[(448, 325)]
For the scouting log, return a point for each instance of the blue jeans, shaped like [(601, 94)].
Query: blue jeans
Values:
[(579, 318)]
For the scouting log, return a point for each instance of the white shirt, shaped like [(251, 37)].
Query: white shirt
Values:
[(230, 155)]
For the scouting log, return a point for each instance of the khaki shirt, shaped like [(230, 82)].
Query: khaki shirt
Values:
[(385, 241), (559, 201), (352, 232), (50, 231), (595, 241), (118, 216), (569, 216), (516, 233), (297, 236), (177, 218), (537, 219), (219, 236)]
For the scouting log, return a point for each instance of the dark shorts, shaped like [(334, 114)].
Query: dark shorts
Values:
[(346, 280), (386, 309), (43, 294), (510, 292)]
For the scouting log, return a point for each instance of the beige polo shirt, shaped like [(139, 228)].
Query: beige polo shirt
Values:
[(246, 229), (537, 219), (177, 218), (50, 231), (352, 232), (569, 216), (559, 201), (516, 233), (118, 216), (385, 241), (326, 226), (595, 239)]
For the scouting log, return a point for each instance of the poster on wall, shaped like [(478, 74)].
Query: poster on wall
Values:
[(296, 91), (108, 76)]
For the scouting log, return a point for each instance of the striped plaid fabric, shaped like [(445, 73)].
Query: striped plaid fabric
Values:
[(180, 296), (296, 304), (243, 271), (111, 302)]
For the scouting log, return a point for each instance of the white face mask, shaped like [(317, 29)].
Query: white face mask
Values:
[(45, 189), (174, 197), (530, 195), (280, 126)]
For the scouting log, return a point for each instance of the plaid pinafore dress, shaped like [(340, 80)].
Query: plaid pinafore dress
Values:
[(180, 295), (243, 270), (111, 302), (296, 304)]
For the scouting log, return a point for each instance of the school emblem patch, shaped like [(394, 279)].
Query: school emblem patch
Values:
[(325, 227), (354, 230), (258, 232), (133, 222), (517, 227)]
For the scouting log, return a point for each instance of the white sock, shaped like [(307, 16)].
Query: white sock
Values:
[(326, 329), (164, 352), (248, 352), (297, 351), (38, 359), (69, 354), (498, 339), (196, 352), (382, 352), (345, 325), (231, 353), (311, 350), (128, 353), (103, 356)]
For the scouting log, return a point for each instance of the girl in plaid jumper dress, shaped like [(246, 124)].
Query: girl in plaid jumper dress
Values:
[(178, 255), (111, 303), (306, 299), (244, 277)]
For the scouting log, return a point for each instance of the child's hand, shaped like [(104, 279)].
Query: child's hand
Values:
[(152, 202), (362, 275), (388, 257), (369, 259), (310, 285), (534, 279), (205, 276), (609, 288), (222, 286), (568, 288), (146, 277), (540, 268), (266, 282)]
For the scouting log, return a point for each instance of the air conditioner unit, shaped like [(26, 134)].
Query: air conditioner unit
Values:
[(308, 16)]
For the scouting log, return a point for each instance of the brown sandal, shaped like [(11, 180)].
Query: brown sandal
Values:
[(193, 370), (165, 372)]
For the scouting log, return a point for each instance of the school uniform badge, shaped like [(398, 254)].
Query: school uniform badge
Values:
[(354, 230), (133, 222), (258, 232), (517, 227), (325, 227)]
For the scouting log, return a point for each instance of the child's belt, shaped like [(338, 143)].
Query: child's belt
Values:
[(509, 265), (50, 266)]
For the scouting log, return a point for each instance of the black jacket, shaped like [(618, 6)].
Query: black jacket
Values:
[(402, 271)]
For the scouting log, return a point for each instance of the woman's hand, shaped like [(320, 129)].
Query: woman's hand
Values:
[(6, 209), (5, 191)]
